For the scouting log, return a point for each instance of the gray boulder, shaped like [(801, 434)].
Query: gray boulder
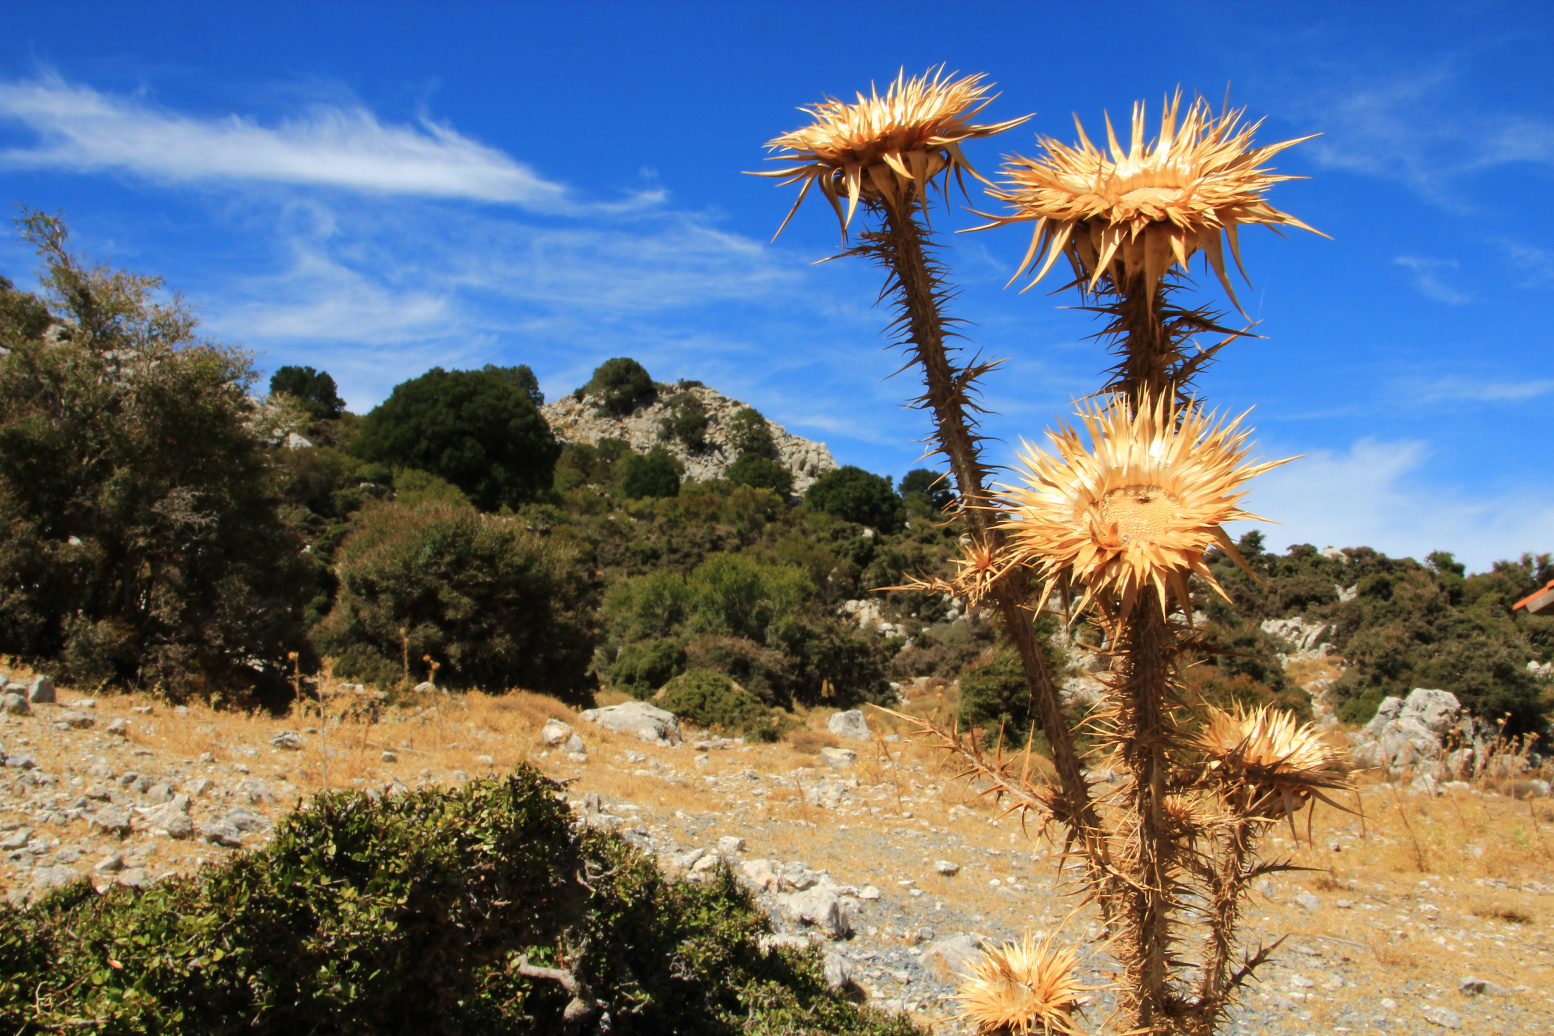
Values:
[(223, 833), (950, 960), (1407, 732), (41, 691), (173, 817), (639, 719), (839, 758), (287, 739), (554, 732), (820, 907), (111, 820), (15, 704), (849, 724)]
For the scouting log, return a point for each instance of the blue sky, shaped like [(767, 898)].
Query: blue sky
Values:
[(375, 189)]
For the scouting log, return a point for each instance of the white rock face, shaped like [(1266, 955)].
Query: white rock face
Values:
[(850, 724), (1300, 635), (579, 420), (639, 719), (1408, 732)]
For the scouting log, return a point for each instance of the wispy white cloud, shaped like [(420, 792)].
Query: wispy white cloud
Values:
[(1480, 391), (1531, 266), (80, 129), (1372, 495), (1428, 279), (1418, 129)]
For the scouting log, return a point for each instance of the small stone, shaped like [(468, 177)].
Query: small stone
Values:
[(16, 839), (574, 745), (134, 877), (388, 757), (111, 820), (838, 971), (760, 873), (287, 739), (485, 760), (728, 845), (839, 757), (554, 732), (159, 793), (946, 868), (820, 907), (222, 833), (255, 792), (869, 892), (246, 820), (52, 877), (173, 818), (118, 727), (576, 757), (41, 691), (200, 786), (15, 704), (111, 864), (1306, 901), (1388, 1004), (1470, 986), (143, 710), (850, 725), (706, 863), (1442, 1017)]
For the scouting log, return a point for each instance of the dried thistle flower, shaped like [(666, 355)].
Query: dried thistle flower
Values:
[(885, 146), (1138, 213), (1269, 762), (1137, 508), (1024, 987)]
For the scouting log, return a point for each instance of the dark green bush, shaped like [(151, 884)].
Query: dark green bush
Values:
[(748, 432), (496, 605), (934, 486), (765, 673), (477, 429), (652, 474), (687, 421), (141, 538), (854, 495), (713, 700), (314, 390), (620, 384), (411, 915), (641, 669), (752, 469)]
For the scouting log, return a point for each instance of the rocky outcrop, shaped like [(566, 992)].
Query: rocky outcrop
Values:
[(581, 421), (1409, 733)]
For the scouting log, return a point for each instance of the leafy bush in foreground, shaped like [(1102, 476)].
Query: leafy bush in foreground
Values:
[(415, 914)]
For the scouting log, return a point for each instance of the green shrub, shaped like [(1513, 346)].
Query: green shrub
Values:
[(641, 669), (496, 605), (479, 430), (752, 469), (994, 696), (687, 421), (314, 390), (652, 474), (854, 495), (411, 914), (713, 700), (765, 673), (748, 432), (834, 663), (620, 384), (141, 538)]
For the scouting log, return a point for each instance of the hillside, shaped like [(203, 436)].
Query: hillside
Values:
[(579, 419)]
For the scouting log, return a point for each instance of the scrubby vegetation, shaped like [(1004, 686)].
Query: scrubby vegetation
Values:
[(435, 911), (189, 550)]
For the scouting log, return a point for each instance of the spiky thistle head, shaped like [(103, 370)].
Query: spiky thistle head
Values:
[(1270, 761), (886, 147), (1024, 987), (1137, 507), (1137, 213)]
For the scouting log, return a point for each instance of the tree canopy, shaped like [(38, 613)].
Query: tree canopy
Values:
[(314, 390), (479, 430), (855, 495)]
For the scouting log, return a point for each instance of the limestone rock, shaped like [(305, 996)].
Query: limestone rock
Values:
[(839, 757), (820, 907), (850, 724), (173, 817), (946, 868), (838, 971), (287, 739), (41, 691), (111, 820), (580, 420), (950, 960), (15, 704), (760, 873), (554, 732), (639, 719)]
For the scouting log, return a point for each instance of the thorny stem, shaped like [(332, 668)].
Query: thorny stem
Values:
[(1142, 674), (901, 247)]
